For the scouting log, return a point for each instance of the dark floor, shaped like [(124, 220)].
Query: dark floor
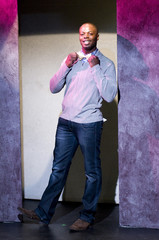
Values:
[(106, 226)]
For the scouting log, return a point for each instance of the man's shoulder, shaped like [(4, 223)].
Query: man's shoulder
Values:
[(104, 59)]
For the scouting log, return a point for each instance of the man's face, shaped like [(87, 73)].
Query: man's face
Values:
[(88, 36)]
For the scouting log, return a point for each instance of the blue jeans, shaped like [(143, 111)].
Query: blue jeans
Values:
[(68, 136)]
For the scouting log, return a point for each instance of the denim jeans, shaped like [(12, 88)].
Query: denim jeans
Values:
[(68, 136)]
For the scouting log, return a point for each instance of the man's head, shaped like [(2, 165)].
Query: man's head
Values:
[(88, 36)]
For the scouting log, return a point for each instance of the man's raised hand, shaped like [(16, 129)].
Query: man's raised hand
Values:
[(93, 60), (71, 59)]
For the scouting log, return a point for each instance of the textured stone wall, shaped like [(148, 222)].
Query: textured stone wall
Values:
[(10, 153), (138, 76)]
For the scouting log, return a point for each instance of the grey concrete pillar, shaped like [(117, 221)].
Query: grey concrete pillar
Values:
[(138, 76), (10, 147)]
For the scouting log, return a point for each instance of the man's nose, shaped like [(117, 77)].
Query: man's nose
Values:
[(86, 35)]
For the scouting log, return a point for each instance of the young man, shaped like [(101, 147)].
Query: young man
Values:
[(89, 77)]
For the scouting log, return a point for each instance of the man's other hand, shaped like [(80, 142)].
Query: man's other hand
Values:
[(93, 60), (71, 59)]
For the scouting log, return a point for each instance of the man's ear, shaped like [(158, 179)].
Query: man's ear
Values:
[(97, 37)]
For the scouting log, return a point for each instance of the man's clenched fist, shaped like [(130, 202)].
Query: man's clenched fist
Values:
[(93, 60), (71, 59)]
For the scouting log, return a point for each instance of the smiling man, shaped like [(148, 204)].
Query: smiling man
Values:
[(88, 36), (88, 77)]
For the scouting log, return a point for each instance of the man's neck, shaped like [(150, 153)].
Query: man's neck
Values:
[(85, 51)]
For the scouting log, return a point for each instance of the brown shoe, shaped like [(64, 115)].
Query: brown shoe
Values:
[(29, 213), (79, 225)]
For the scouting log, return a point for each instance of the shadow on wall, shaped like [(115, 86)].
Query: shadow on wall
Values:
[(65, 16), (138, 133), (75, 184)]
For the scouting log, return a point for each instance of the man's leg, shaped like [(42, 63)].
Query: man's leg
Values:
[(89, 140), (65, 147)]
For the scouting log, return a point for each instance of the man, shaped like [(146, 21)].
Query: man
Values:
[(89, 77)]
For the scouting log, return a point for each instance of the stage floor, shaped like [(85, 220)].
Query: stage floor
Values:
[(106, 226)]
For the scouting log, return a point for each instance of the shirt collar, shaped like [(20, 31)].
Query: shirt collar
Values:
[(92, 53)]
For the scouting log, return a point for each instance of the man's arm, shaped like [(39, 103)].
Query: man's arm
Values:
[(105, 80), (57, 82)]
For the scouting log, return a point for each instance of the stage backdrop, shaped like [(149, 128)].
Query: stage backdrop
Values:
[(138, 75), (10, 154), (48, 33)]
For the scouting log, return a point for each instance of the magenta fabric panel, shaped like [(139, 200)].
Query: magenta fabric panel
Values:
[(10, 147), (138, 77)]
